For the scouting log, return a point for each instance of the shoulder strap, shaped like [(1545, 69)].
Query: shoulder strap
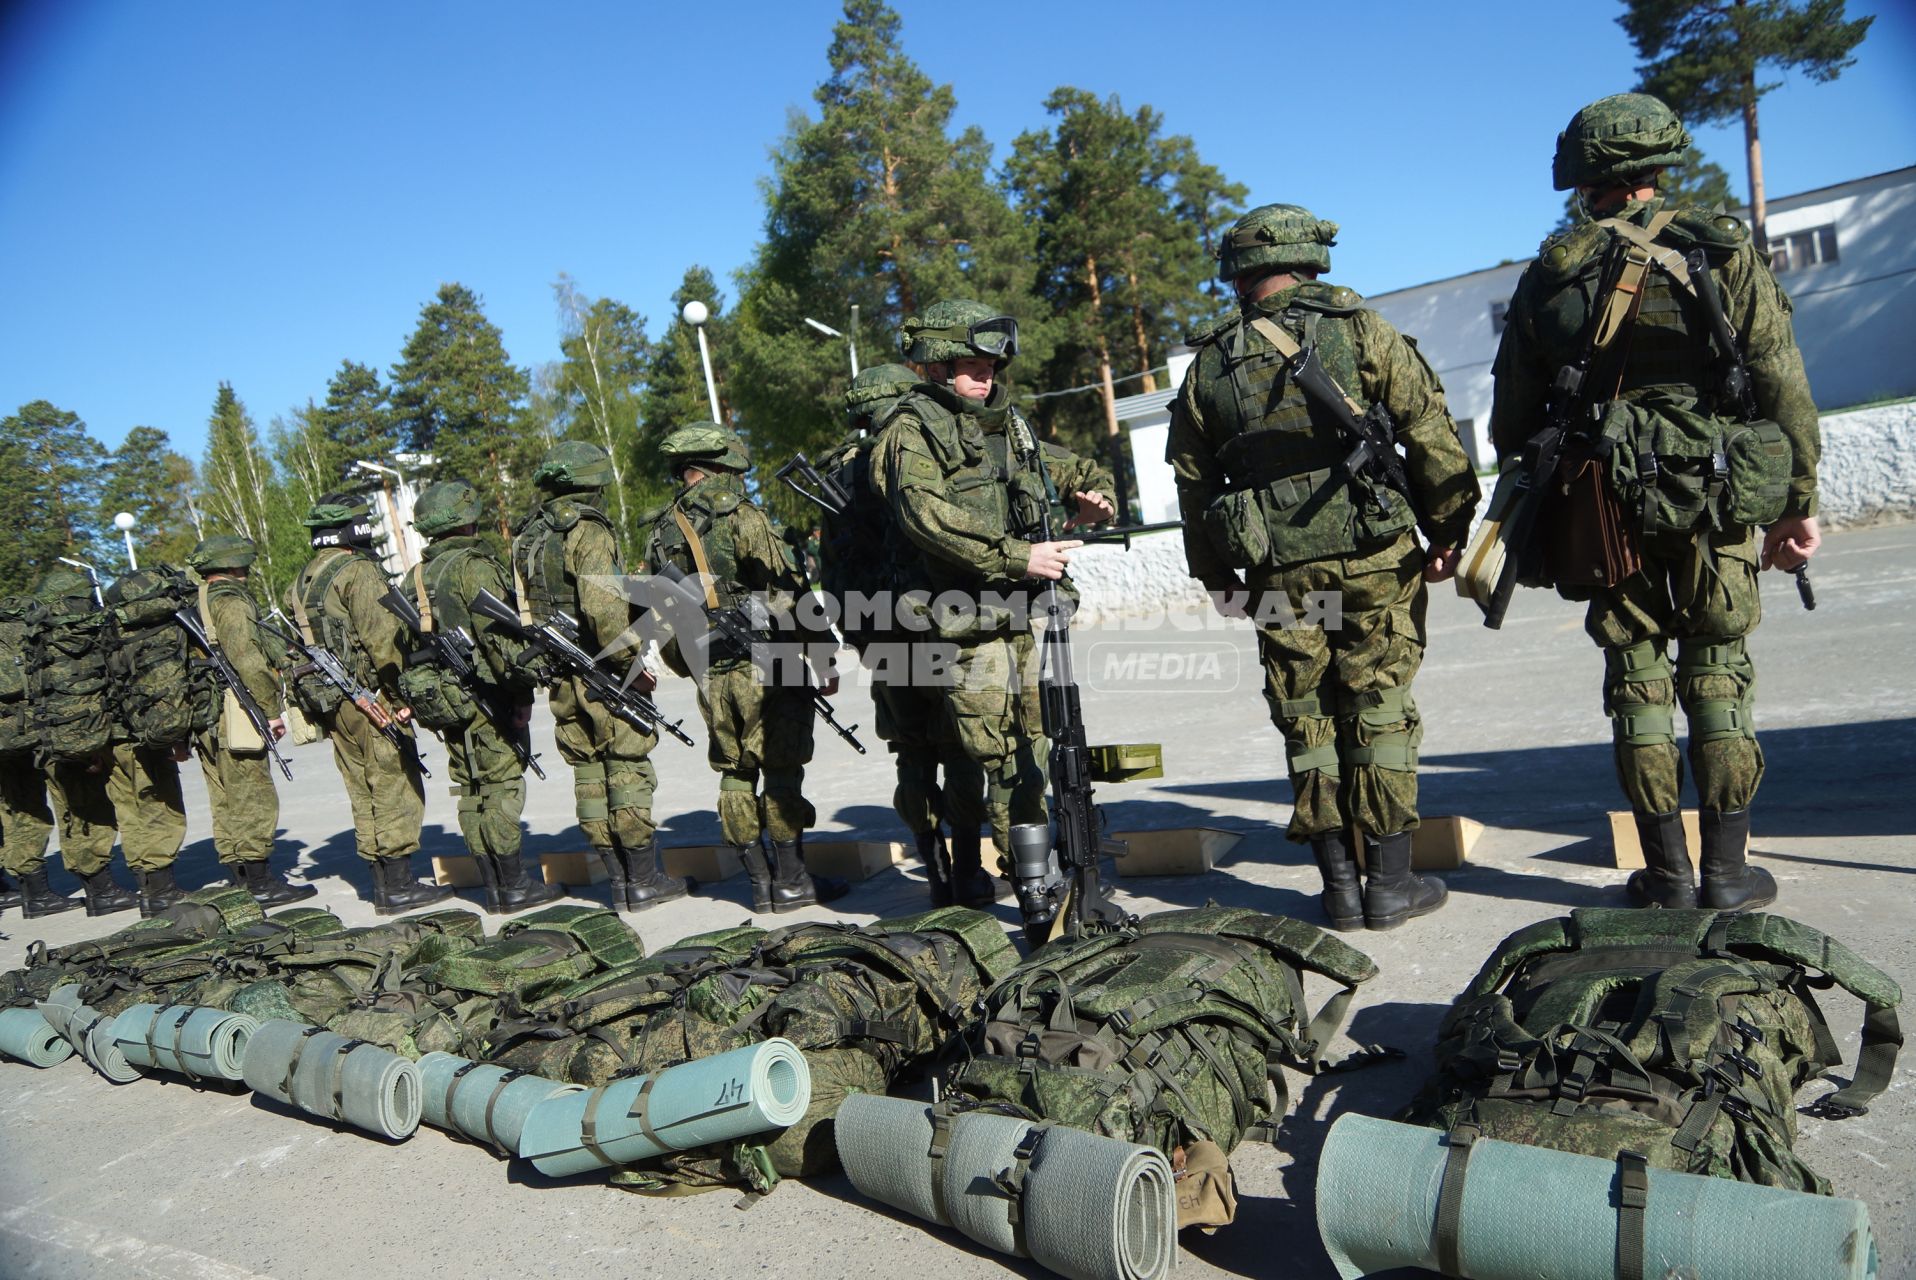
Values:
[(318, 585), (420, 595), (697, 547), (206, 618), (1619, 309), (1274, 333)]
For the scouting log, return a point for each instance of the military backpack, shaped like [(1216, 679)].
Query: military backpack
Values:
[(20, 618), (68, 681), (162, 695), (1679, 1036)]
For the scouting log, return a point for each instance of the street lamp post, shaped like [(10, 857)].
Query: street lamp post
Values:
[(851, 339), (124, 522), (696, 314)]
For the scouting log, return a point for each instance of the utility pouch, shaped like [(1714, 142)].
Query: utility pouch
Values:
[(1587, 539), (1234, 522), (299, 730), (317, 696), (1760, 457), (437, 699), (236, 727)]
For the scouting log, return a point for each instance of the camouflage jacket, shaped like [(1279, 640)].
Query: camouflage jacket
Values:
[(1669, 346), (456, 569), (234, 623), (348, 618)]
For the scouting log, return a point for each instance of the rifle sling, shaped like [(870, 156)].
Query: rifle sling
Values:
[(696, 546), (1273, 332), (425, 601)]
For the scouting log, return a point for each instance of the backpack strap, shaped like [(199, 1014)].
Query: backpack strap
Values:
[(1450, 1199), (1619, 309), (1633, 1198), (1275, 334)]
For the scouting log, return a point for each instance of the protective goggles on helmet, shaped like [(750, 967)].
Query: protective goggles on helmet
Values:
[(996, 337)]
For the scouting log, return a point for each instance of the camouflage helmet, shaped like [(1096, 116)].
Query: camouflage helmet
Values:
[(1615, 137), (222, 551), (1274, 237), (958, 329), (447, 504), (336, 509), (574, 464), (705, 444), (874, 391), (64, 584)]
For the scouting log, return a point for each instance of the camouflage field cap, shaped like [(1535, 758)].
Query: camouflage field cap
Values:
[(876, 389), (338, 508), (574, 464), (1614, 137), (708, 445), (222, 551), (958, 329), (1275, 237), (448, 504), (64, 584)]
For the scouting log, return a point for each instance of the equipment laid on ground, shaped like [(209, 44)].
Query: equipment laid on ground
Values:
[(189, 1040), (329, 1076), (480, 1102), (90, 1032), (30, 1038)]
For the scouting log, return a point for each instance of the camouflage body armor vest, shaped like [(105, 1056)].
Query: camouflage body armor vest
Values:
[(19, 619), (538, 556), (1284, 501), (313, 692)]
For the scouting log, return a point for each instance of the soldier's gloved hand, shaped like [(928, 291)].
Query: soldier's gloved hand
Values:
[(1442, 565), (1048, 559), (1093, 508), (1230, 599), (1790, 543)]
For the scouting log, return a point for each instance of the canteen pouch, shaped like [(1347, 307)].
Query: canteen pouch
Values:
[(236, 727), (1760, 458)]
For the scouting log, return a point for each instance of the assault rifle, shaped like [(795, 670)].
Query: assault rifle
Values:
[(738, 633), (223, 669), (453, 651), (322, 662), (1372, 435), (559, 637), (808, 482)]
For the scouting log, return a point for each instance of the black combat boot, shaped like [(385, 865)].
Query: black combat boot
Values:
[(1392, 894), (395, 892), (793, 886), (9, 893), (646, 885), (1667, 879), (158, 891), (1343, 898), (1729, 882), (614, 875), (104, 896), (758, 869), (932, 852), (37, 897), (513, 889), (971, 884), (268, 889)]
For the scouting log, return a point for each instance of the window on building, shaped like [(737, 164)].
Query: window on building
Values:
[(1499, 311), (1810, 247)]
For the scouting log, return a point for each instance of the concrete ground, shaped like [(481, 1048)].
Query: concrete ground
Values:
[(158, 1179)]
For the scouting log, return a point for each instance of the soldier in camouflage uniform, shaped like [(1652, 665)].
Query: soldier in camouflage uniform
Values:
[(26, 820), (968, 482), (1269, 518), (759, 722), (486, 774), (143, 785), (1698, 586), (239, 784), (567, 557), (335, 599), (858, 553)]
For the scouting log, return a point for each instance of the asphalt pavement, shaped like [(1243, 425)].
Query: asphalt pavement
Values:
[(160, 1179)]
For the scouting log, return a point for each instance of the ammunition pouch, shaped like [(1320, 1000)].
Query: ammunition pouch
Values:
[(1678, 470), (315, 695), (437, 698), (1303, 516)]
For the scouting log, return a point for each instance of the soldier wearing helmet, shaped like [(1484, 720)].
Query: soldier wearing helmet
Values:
[(1658, 432), (1273, 513), (758, 721), (487, 776), (335, 601), (239, 781), (565, 556), (969, 484)]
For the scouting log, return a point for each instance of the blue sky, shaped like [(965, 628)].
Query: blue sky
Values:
[(208, 190)]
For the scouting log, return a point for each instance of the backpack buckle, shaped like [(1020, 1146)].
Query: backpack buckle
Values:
[(1829, 1109), (1751, 1033), (1028, 1047)]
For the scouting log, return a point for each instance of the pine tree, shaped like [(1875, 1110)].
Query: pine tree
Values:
[(357, 419), (147, 478), (50, 476), (240, 492), (600, 382), (1701, 57)]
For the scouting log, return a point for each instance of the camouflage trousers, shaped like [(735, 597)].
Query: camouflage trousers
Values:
[(26, 819), (1701, 593), (490, 784), (83, 812), (991, 710), (1341, 695), (759, 740), (243, 800), (382, 785), (911, 720), (612, 775), (144, 786)]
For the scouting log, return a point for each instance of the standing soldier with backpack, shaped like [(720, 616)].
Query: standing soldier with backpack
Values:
[(336, 602), (567, 557), (1263, 433), (487, 775), (1658, 328), (239, 778), (859, 552), (26, 820), (758, 729)]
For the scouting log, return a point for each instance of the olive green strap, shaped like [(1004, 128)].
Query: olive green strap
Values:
[(1662, 256), (425, 600), (1620, 308), (1273, 332), (1450, 1200), (1875, 1064), (1633, 1197)]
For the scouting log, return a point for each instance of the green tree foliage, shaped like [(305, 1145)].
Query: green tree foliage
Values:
[(1695, 181), (874, 202), (1125, 221), (674, 393), (457, 396), (241, 493), (1702, 56), (146, 477), (50, 478), (600, 382), (357, 419)]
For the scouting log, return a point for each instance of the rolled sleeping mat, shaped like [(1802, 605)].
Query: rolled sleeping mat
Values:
[(89, 1031), (754, 1089), (328, 1075), (1100, 1209), (1530, 1211), (982, 1147), (27, 1036), (482, 1102), (190, 1040), (883, 1144)]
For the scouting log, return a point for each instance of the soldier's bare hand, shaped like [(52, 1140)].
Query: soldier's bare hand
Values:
[(1093, 508), (829, 685), (1442, 565), (1048, 559), (1791, 542), (403, 716), (1231, 602), (278, 728), (373, 712), (181, 753), (521, 715)]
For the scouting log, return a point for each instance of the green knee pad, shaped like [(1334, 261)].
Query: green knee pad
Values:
[(588, 792), (1638, 696), (1702, 664), (1391, 728)]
